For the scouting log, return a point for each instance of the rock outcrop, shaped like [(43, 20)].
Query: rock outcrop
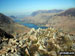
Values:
[(40, 42)]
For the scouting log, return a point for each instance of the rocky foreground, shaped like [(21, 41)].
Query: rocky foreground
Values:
[(40, 42)]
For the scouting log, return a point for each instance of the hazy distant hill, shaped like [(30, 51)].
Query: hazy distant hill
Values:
[(13, 17), (45, 11), (7, 24), (38, 19), (41, 16)]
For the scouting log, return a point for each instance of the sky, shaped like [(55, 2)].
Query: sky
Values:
[(16, 7)]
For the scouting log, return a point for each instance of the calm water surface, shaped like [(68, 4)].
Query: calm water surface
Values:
[(30, 25)]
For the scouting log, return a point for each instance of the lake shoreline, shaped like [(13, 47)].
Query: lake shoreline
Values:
[(31, 25)]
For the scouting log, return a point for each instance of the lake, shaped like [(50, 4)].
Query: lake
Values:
[(30, 25)]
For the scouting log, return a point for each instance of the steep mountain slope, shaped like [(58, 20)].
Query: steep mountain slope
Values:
[(7, 24), (68, 12), (64, 21), (5, 20)]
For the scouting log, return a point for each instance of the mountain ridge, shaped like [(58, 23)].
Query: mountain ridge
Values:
[(69, 12), (5, 19), (45, 11)]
